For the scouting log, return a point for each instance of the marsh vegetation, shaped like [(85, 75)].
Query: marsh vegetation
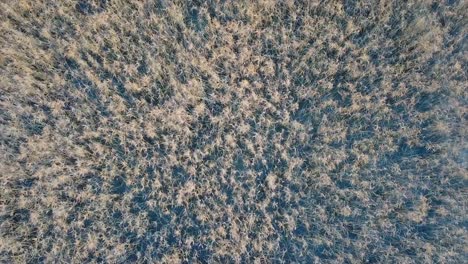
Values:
[(233, 131)]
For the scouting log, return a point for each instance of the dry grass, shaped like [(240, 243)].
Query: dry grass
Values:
[(233, 131)]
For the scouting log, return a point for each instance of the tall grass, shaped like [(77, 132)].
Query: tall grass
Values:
[(233, 131)]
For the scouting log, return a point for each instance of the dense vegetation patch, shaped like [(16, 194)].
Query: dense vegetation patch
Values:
[(233, 131)]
